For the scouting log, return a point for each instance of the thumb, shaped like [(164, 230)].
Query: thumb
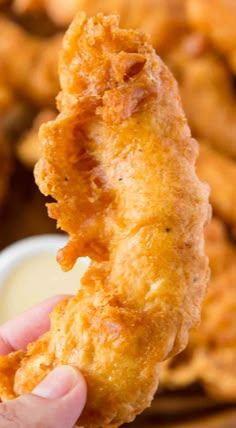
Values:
[(56, 402)]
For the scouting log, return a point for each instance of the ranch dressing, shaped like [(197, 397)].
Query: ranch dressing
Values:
[(34, 278)]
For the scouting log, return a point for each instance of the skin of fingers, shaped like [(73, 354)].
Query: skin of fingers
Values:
[(57, 402)]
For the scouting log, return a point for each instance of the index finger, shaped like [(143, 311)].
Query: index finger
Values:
[(27, 327)]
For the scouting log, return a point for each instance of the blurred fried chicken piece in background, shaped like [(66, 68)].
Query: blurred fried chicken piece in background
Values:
[(36, 76), (219, 172), (15, 114), (7, 98), (27, 149), (24, 6), (164, 20), (220, 250), (207, 92), (216, 19)]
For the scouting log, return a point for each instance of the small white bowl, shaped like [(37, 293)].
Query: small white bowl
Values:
[(24, 249), (29, 274)]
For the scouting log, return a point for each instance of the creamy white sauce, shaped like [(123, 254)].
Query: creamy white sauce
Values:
[(34, 280)]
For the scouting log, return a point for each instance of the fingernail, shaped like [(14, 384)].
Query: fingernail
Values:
[(58, 383)]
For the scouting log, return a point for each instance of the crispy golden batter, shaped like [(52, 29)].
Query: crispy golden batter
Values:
[(211, 353), (28, 150), (220, 173), (207, 93), (216, 20), (120, 162), (164, 20), (35, 76)]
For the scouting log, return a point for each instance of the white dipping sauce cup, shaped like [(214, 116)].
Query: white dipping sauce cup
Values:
[(29, 274)]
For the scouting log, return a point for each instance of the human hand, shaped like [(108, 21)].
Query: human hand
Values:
[(59, 400)]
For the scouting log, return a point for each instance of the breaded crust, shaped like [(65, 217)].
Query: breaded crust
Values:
[(120, 162)]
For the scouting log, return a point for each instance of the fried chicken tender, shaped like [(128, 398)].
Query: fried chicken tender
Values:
[(164, 20), (207, 92), (35, 76), (28, 150), (220, 173), (120, 162), (211, 353), (216, 20)]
